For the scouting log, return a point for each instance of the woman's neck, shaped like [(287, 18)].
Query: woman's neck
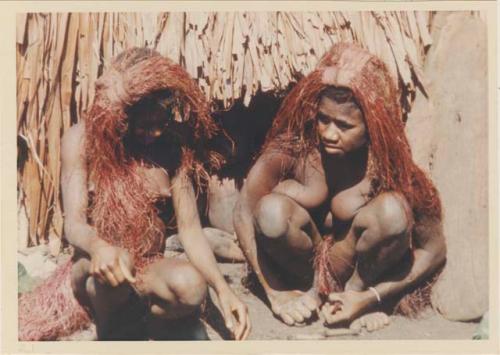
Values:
[(351, 166)]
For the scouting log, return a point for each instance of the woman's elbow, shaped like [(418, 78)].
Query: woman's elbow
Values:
[(439, 256), (69, 231)]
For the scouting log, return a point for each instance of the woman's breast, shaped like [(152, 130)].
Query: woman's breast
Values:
[(157, 181), (346, 203)]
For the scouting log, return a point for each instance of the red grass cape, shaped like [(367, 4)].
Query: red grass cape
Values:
[(390, 164), (123, 210)]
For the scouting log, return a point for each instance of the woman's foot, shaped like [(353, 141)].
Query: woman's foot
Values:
[(293, 307)]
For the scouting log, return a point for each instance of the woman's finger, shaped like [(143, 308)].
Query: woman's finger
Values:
[(325, 309), (228, 317), (125, 271), (328, 317), (248, 327), (241, 318), (310, 303), (96, 271), (338, 316), (335, 297), (117, 271), (93, 265), (106, 270), (99, 275)]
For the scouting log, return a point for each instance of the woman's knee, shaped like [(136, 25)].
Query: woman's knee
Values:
[(395, 215), (273, 214), (185, 283), (386, 219), (189, 286)]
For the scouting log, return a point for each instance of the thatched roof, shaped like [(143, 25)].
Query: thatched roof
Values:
[(232, 55)]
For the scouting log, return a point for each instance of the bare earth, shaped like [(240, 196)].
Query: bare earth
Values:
[(266, 327)]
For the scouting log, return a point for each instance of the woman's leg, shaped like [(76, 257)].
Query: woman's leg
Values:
[(174, 287), (383, 233), (103, 299), (380, 236), (287, 234)]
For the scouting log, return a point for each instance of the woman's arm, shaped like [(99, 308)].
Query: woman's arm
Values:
[(428, 257), (201, 256), (109, 264), (261, 180), (313, 191), (75, 191)]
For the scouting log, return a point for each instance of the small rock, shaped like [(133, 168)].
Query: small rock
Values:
[(37, 263)]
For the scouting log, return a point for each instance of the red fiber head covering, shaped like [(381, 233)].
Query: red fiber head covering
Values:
[(390, 162), (123, 210)]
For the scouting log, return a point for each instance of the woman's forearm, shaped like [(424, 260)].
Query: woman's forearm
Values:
[(424, 264), (191, 234), (81, 236), (245, 231), (201, 256)]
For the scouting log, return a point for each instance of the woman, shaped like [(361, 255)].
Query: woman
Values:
[(336, 183), (131, 164)]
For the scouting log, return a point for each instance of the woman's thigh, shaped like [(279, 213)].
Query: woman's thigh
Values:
[(383, 229), (285, 231)]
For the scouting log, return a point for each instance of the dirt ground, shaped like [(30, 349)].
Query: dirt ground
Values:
[(266, 327)]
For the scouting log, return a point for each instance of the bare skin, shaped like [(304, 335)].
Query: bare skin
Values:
[(104, 273), (222, 196), (278, 222)]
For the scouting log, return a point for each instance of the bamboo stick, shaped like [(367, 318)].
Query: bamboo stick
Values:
[(68, 64)]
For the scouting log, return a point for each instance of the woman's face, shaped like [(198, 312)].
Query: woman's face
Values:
[(341, 127), (147, 124)]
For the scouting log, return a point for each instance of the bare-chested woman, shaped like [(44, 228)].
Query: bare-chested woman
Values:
[(140, 146), (336, 187)]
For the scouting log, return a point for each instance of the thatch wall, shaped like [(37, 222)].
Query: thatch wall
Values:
[(232, 55)]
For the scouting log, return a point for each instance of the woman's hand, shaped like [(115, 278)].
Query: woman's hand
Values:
[(235, 314), (345, 306), (110, 265)]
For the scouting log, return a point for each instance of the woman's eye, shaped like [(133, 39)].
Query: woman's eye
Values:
[(323, 119), (343, 126)]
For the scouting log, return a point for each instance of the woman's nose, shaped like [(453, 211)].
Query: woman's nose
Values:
[(332, 133)]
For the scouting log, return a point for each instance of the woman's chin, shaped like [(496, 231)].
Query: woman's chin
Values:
[(333, 151)]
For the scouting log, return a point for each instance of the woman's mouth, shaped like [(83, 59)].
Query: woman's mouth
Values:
[(331, 146)]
